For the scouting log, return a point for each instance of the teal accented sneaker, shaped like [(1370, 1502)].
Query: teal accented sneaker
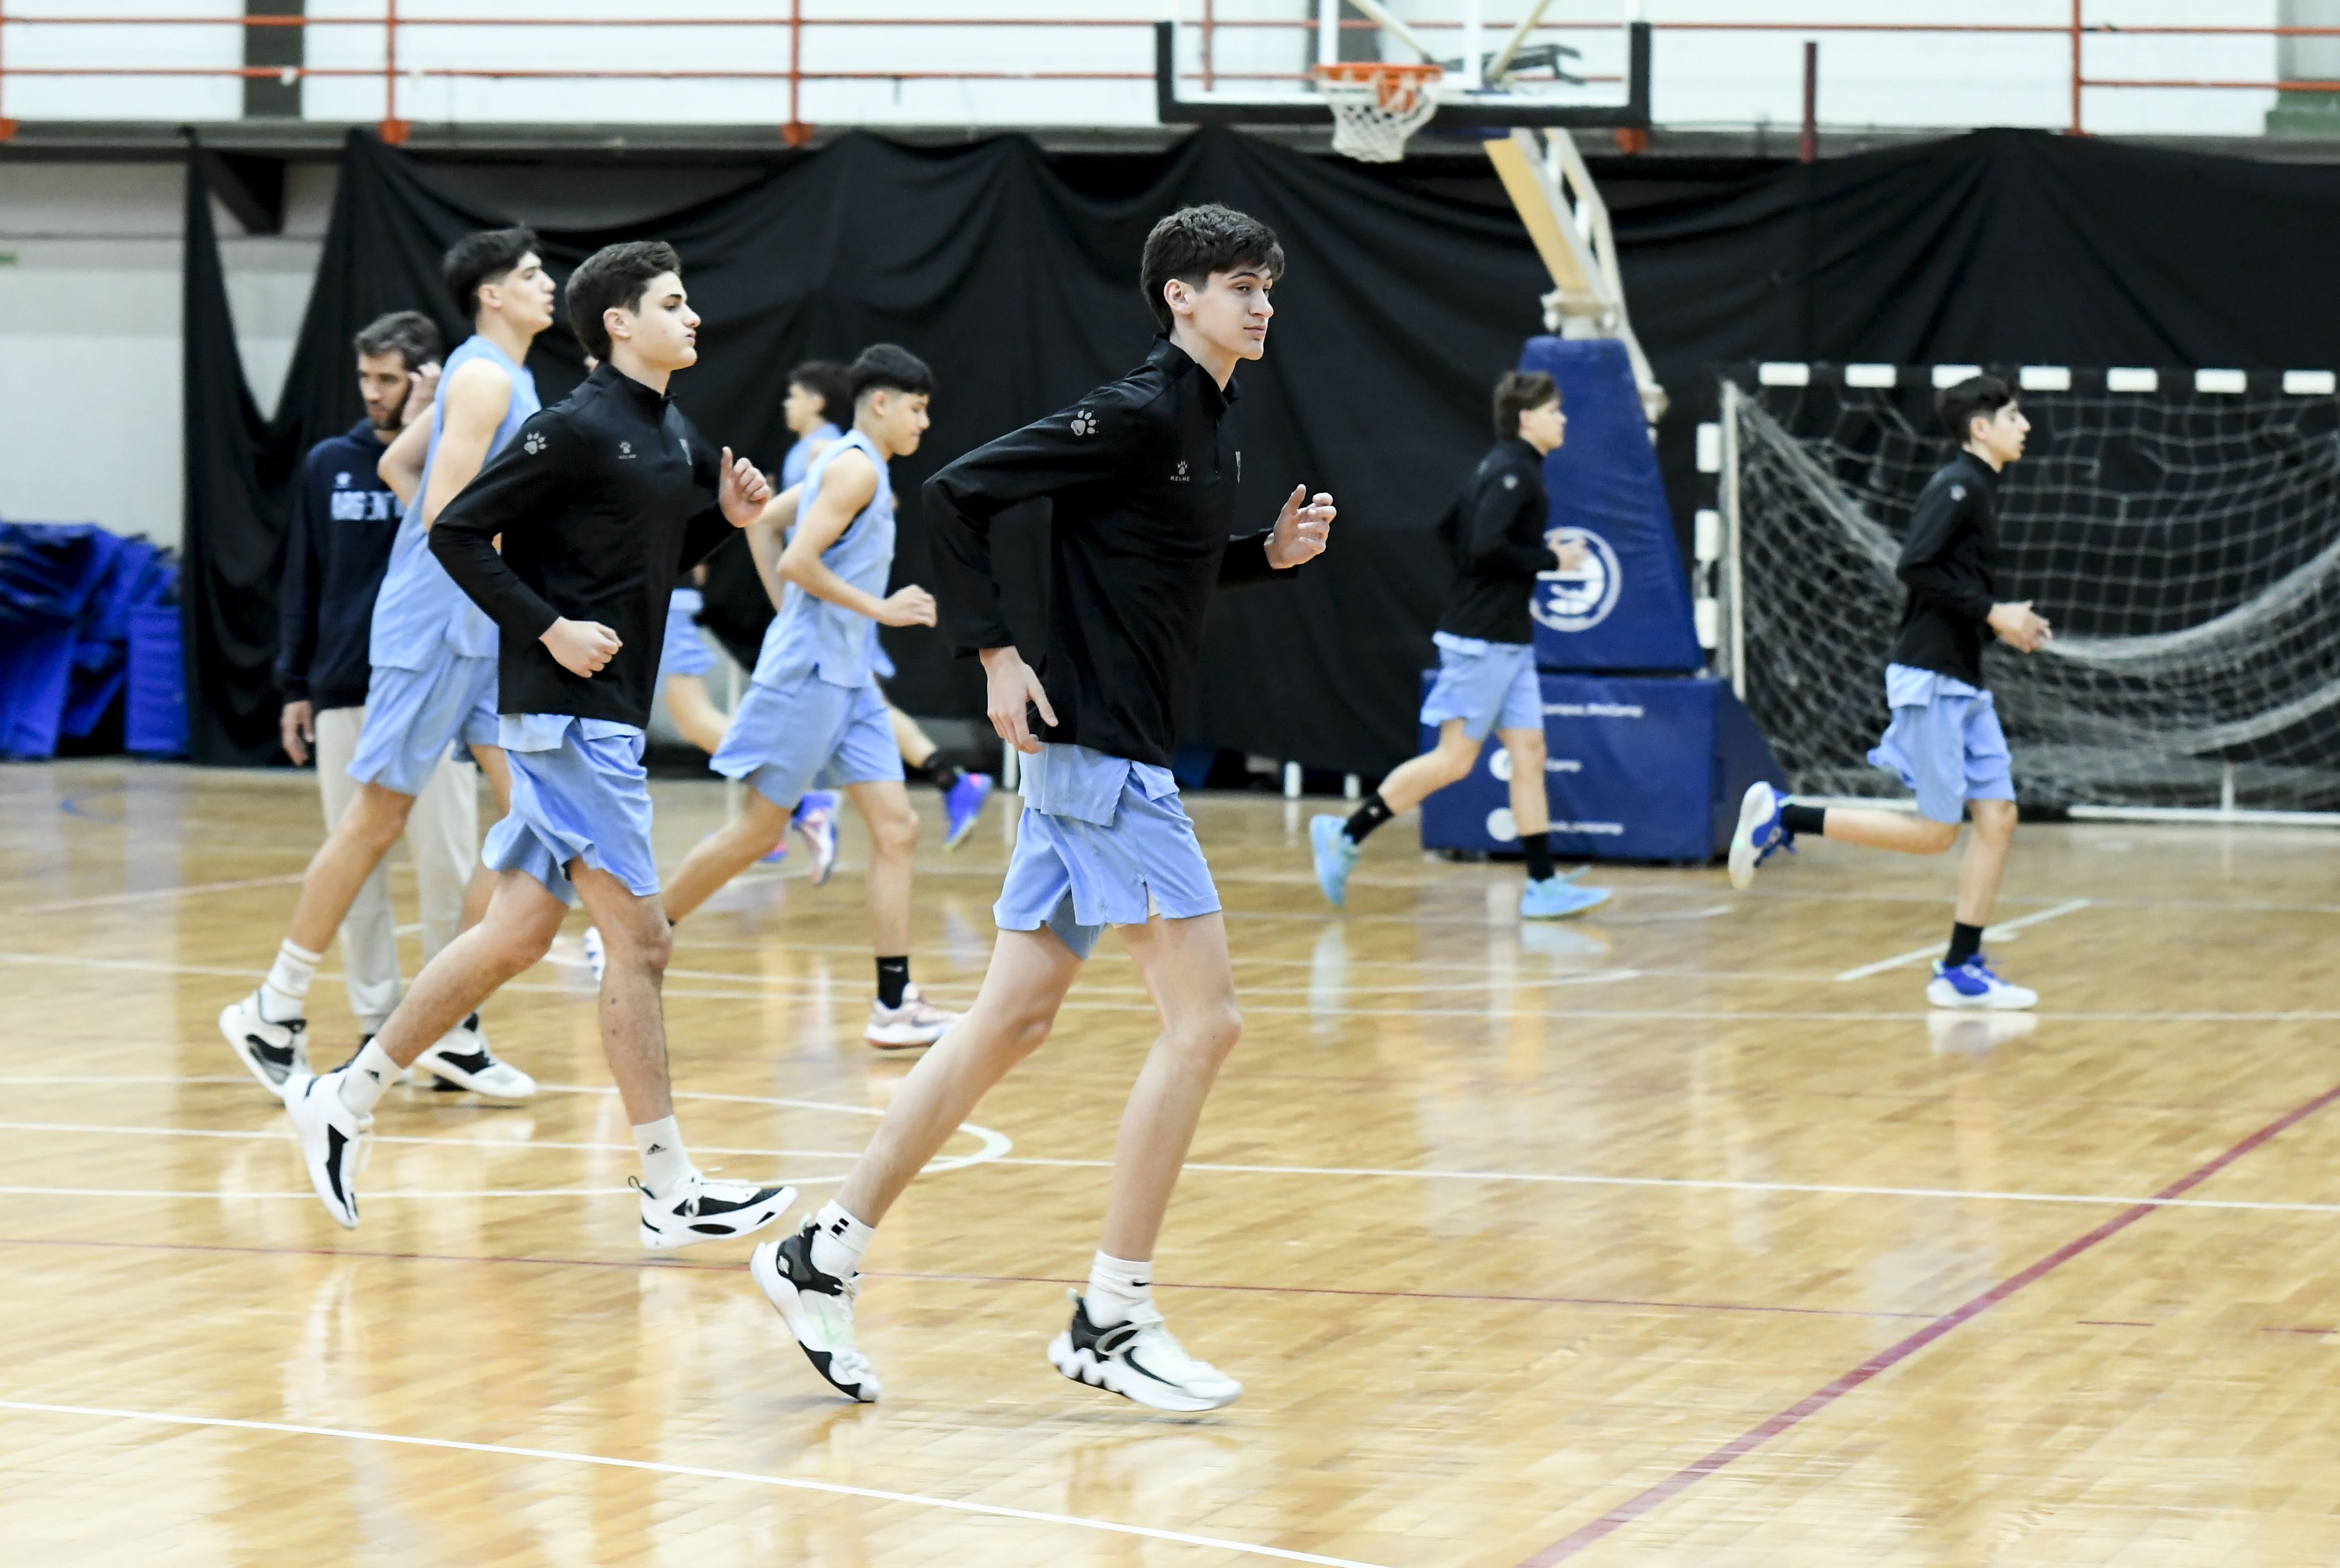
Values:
[(1554, 898), (1336, 854)]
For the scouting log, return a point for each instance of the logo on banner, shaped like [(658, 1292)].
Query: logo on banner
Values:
[(1578, 598)]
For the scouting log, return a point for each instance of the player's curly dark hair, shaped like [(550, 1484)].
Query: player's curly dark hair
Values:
[(614, 275), (830, 381), (483, 257), (1975, 397), (1194, 242), (1517, 391), (890, 368)]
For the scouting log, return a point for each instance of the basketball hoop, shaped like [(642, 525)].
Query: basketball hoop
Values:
[(1377, 105)]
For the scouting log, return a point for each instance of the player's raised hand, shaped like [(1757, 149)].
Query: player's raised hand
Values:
[(422, 391), (581, 647), (908, 605), (1302, 529), (1012, 688), (742, 490), (2020, 628)]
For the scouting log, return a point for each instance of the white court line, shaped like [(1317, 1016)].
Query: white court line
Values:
[(794, 1484), (486, 1145), (154, 893), (1990, 933), (1949, 1192), (370, 1196)]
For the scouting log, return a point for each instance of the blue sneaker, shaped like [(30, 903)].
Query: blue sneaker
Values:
[(815, 818), (1973, 984), (963, 806), (1556, 898), (1336, 854), (1760, 832)]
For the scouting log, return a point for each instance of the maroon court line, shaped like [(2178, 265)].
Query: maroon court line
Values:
[(889, 1274), (1820, 1399)]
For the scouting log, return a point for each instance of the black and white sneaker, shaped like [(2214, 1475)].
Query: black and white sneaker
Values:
[(704, 1210), (461, 1061), (818, 1310), (333, 1141), (272, 1052), (1139, 1360)]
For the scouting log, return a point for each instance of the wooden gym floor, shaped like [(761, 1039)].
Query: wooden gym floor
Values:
[(1681, 1235)]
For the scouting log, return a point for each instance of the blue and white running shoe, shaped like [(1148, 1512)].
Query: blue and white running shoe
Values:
[(816, 819), (1555, 898), (963, 806), (1760, 832), (597, 956), (1336, 853), (1973, 984)]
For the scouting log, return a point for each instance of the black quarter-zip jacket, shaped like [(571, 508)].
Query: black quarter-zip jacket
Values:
[(603, 500), (1949, 563), (1495, 527), (1142, 475)]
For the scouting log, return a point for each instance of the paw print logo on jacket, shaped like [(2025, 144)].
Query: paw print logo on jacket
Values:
[(1084, 423), (534, 444)]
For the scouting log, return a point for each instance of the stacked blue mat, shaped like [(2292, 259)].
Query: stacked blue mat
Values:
[(88, 618)]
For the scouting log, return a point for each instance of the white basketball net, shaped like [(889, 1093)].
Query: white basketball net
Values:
[(1374, 113)]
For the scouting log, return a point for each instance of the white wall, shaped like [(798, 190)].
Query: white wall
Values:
[(89, 333)]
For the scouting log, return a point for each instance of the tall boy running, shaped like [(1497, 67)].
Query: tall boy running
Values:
[(1944, 741), (813, 710), (1143, 474), (601, 502), (434, 677), (1486, 656)]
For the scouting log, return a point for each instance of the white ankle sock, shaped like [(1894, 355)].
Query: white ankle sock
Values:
[(368, 1077), (1118, 1287), (838, 1240), (666, 1166), (281, 994)]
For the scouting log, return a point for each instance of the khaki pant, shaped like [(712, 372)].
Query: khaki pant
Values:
[(442, 835)]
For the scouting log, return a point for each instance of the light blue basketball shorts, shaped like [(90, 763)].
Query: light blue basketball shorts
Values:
[(806, 735), (1944, 742), (1488, 686), (1078, 877), (578, 791), (414, 717)]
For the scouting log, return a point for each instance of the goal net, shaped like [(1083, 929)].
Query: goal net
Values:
[(2185, 543)]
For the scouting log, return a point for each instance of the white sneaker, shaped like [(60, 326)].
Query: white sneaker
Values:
[(461, 1061), (704, 1210), (274, 1053), (915, 1023), (597, 956), (1975, 985), (1139, 1360), (333, 1141), (818, 1310)]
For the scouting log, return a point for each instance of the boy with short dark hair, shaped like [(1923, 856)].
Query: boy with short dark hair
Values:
[(1142, 473), (813, 711), (1487, 678), (1945, 740), (599, 504)]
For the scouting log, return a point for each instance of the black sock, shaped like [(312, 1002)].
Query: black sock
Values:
[(1803, 819), (893, 977), (1966, 940), (946, 777), (1369, 816), (1537, 848)]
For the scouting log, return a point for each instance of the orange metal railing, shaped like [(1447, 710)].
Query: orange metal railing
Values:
[(2076, 29)]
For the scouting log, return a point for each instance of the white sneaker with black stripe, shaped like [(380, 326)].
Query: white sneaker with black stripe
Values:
[(333, 1141), (704, 1210), (818, 1310), (273, 1052), (461, 1061), (1139, 1360)]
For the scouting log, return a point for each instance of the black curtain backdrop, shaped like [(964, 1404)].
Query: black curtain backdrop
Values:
[(1012, 274)]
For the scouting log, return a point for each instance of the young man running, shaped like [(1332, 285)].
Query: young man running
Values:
[(1944, 741), (812, 710), (432, 683), (335, 552), (600, 503), (820, 392), (1142, 475), (1486, 656)]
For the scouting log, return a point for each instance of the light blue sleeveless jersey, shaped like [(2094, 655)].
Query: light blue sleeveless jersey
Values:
[(811, 635), (420, 608)]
